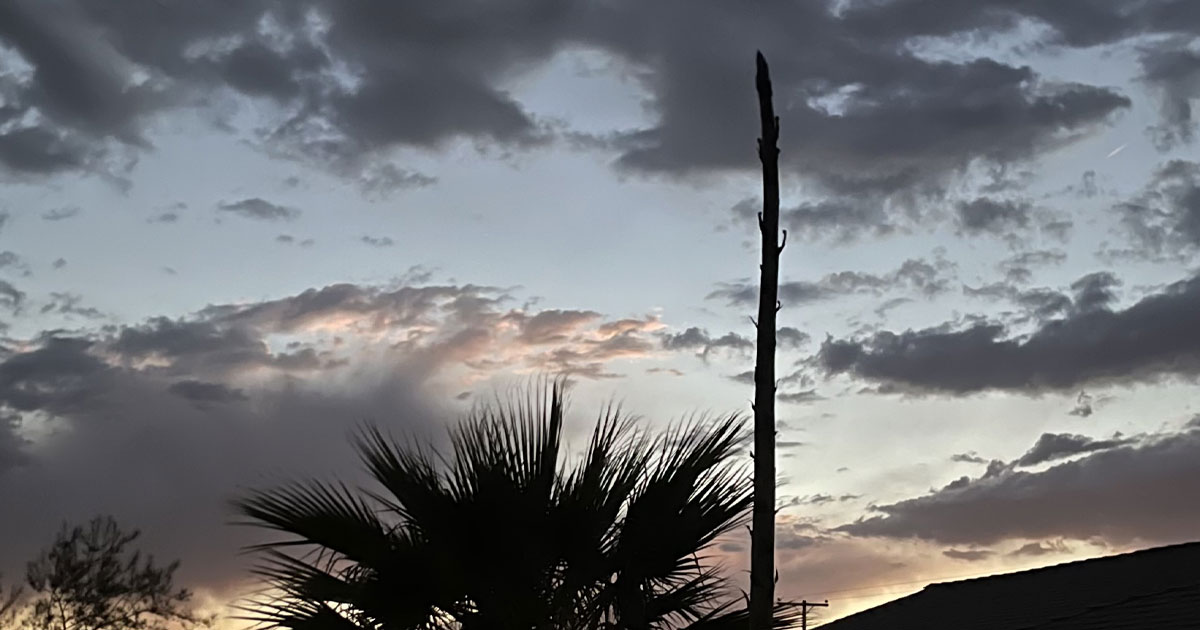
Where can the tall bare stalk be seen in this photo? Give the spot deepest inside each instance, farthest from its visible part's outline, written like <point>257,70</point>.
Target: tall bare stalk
<point>762,539</point>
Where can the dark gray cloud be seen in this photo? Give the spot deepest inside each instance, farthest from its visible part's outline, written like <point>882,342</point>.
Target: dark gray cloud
<point>1163,221</point>
<point>201,392</point>
<point>260,209</point>
<point>819,498</point>
<point>789,338</point>
<point>65,303</point>
<point>994,216</point>
<point>1128,493</point>
<point>916,275</point>
<point>61,213</point>
<point>11,260</point>
<point>1151,339</point>
<point>867,115</point>
<point>800,397</point>
<point>11,297</point>
<point>699,340</point>
<point>971,458</point>
<point>1083,406</point>
<point>899,122</point>
<point>842,219</point>
<point>1172,70</point>
<point>1071,22</point>
<point>378,241</point>
<point>970,555</point>
<point>1018,268</point>
<point>1054,446</point>
<point>1041,548</point>
<point>192,346</point>
<point>1094,291</point>
<point>61,375</point>
<point>1040,303</point>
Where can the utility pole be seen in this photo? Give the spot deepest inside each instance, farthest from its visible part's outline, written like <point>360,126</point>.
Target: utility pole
<point>804,606</point>
<point>762,534</point>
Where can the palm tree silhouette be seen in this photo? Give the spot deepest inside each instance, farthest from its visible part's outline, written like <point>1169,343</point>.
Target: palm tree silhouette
<point>507,533</point>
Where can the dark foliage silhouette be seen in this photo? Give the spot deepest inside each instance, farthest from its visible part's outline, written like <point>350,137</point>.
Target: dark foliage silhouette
<point>507,531</point>
<point>91,579</point>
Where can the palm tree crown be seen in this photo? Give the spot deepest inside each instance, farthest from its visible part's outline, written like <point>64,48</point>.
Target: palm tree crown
<point>506,533</point>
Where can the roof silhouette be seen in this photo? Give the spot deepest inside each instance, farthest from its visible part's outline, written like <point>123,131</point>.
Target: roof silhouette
<point>1153,588</point>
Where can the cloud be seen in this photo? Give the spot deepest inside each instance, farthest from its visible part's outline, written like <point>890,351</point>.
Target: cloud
<point>11,259</point>
<point>998,217</point>
<point>126,418</point>
<point>970,555</point>
<point>378,241</point>
<point>864,107</point>
<point>553,325</point>
<point>970,458</point>
<point>59,214</point>
<point>1093,291</point>
<point>1150,340</point>
<point>11,297</point>
<point>1163,221</point>
<point>1083,406</point>
<point>698,339</point>
<point>126,441</point>
<point>1041,548</point>
<point>259,209</point>
<point>58,376</point>
<point>661,370</point>
<point>1040,303</point>
<point>1053,446</point>
<point>1128,493</point>
<point>1172,70</point>
<point>875,119</point>
<point>819,498</point>
<point>789,338</point>
<point>1018,268</point>
<point>444,323</point>
<point>201,392</point>
<point>65,303</point>
<point>915,274</point>
<point>799,397</point>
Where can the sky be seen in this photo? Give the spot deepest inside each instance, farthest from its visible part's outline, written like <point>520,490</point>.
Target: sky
<point>231,231</point>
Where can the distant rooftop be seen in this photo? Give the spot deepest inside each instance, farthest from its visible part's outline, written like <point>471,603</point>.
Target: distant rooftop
<point>1155,589</point>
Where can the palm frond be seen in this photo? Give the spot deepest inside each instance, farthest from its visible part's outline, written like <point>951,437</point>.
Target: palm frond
<point>693,495</point>
<point>325,515</point>
<point>786,615</point>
